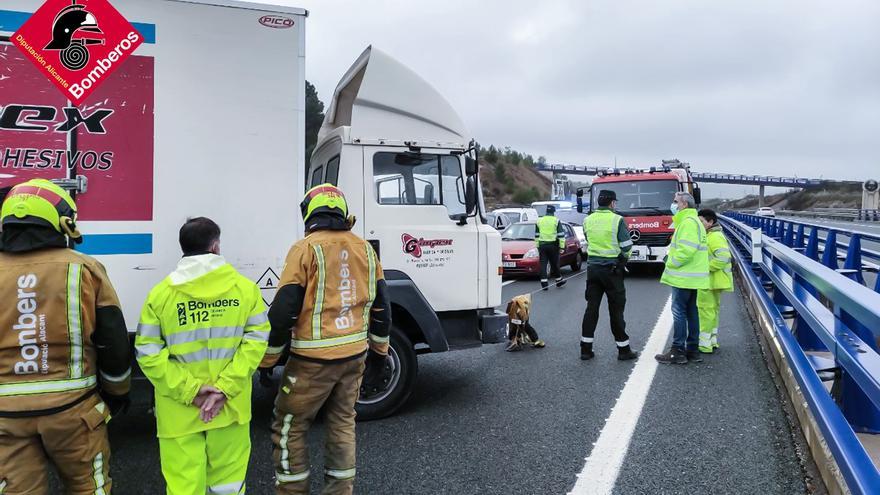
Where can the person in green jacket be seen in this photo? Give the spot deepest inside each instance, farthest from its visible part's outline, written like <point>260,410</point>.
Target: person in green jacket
<point>550,241</point>
<point>720,280</point>
<point>202,332</point>
<point>686,271</point>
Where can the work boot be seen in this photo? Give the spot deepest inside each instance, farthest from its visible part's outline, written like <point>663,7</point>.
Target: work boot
<point>538,344</point>
<point>560,282</point>
<point>544,285</point>
<point>586,351</point>
<point>626,354</point>
<point>694,356</point>
<point>673,356</point>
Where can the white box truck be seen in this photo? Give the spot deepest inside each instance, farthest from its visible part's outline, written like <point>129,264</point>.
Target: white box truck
<point>207,117</point>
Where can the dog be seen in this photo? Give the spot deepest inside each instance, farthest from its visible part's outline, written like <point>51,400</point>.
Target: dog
<point>519,331</point>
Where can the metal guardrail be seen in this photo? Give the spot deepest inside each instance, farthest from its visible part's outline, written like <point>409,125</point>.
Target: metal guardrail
<point>828,312</point>
<point>813,240</point>
<point>846,214</point>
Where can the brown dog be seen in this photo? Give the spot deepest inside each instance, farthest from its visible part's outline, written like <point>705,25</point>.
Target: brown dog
<point>519,331</point>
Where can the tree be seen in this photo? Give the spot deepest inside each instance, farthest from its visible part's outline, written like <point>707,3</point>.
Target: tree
<point>314,119</point>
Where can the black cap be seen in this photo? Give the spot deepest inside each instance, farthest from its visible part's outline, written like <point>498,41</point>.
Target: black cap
<point>606,196</point>
<point>551,209</point>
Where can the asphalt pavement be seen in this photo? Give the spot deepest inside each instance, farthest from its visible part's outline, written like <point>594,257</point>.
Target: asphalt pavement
<point>484,421</point>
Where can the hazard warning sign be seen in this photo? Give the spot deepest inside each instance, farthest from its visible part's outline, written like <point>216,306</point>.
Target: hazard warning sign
<point>268,283</point>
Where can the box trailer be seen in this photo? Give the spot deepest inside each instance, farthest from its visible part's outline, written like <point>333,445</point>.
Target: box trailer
<point>207,118</point>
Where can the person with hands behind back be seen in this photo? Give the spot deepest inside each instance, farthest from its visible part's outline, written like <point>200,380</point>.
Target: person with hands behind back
<point>203,331</point>
<point>333,298</point>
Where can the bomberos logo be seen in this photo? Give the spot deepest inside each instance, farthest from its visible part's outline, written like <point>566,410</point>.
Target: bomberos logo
<point>77,45</point>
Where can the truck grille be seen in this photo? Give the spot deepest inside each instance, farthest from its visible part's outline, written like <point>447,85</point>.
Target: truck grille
<point>654,239</point>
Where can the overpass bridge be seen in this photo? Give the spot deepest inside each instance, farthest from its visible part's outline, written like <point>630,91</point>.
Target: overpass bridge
<point>761,181</point>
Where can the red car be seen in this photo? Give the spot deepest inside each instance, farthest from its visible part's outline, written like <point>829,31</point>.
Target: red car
<point>519,253</point>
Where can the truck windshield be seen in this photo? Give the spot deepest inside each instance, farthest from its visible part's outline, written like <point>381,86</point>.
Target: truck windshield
<point>640,197</point>
<point>519,232</point>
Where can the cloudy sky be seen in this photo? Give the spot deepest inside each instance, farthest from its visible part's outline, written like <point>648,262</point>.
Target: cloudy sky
<point>751,86</point>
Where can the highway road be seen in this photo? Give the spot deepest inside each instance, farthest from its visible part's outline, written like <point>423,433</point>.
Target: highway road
<point>484,421</point>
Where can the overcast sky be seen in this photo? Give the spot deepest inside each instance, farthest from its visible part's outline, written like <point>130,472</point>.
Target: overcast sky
<point>751,86</point>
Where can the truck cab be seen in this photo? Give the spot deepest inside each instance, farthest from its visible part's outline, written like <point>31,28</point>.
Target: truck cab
<point>408,168</point>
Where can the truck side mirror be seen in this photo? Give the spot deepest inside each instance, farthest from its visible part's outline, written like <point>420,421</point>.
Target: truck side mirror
<point>580,200</point>
<point>698,197</point>
<point>470,195</point>
<point>470,166</point>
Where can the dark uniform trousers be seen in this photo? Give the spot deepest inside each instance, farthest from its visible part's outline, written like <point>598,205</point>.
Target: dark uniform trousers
<point>549,253</point>
<point>603,279</point>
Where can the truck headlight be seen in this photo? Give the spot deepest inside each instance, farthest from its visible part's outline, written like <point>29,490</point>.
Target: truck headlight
<point>532,253</point>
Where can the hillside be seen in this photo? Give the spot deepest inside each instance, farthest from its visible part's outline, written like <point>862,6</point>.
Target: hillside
<point>831,196</point>
<point>509,177</point>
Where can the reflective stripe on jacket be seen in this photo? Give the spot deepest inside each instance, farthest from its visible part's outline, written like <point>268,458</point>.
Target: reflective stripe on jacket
<point>687,265</point>
<point>603,231</point>
<point>339,272</point>
<point>205,324</point>
<point>55,327</point>
<point>720,266</point>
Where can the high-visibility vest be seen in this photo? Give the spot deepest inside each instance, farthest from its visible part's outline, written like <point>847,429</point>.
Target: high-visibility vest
<point>339,272</point>
<point>601,229</point>
<point>192,326</point>
<point>548,230</point>
<point>687,264</point>
<point>720,266</point>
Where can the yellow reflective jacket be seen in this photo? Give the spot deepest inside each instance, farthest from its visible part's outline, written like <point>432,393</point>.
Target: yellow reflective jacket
<point>720,269</point>
<point>204,324</point>
<point>687,264</point>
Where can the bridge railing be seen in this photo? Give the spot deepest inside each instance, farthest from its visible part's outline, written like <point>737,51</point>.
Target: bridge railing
<point>847,214</point>
<point>821,320</point>
<point>858,251</point>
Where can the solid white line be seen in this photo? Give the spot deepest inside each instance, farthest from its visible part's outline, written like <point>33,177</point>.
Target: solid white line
<point>603,465</point>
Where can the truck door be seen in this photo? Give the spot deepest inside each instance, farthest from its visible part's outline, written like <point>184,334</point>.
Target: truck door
<point>411,204</point>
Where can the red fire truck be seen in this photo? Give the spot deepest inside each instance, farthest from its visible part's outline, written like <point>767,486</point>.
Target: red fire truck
<point>644,198</point>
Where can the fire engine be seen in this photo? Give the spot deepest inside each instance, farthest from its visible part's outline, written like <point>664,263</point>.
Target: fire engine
<point>644,197</point>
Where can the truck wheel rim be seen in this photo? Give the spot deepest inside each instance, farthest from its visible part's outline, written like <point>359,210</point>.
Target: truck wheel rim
<point>392,384</point>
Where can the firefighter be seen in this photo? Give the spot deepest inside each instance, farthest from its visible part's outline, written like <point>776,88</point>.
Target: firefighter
<point>608,249</point>
<point>686,271</point>
<point>550,238</point>
<point>333,297</point>
<point>202,333</point>
<point>64,348</point>
<point>720,280</point>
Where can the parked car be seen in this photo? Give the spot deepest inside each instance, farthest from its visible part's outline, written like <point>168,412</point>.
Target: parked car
<point>499,221</point>
<point>516,215</point>
<point>576,220</point>
<point>765,211</point>
<point>519,254</point>
<point>541,206</point>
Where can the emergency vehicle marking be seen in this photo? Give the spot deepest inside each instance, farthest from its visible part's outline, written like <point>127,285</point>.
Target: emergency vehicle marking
<point>27,326</point>
<point>347,293</point>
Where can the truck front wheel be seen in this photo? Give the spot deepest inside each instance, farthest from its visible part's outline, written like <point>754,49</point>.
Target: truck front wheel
<point>404,368</point>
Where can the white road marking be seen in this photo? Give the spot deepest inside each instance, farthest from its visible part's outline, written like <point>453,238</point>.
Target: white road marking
<point>603,465</point>
<point>508,282</point>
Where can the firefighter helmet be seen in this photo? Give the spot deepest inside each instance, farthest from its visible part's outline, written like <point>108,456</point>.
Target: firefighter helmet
<point>325,198</point>
<point>69,20</point>
<point>40,202</point>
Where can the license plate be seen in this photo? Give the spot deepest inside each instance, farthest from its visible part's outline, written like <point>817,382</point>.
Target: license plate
<point>638,255</point>
<point>509,264</point>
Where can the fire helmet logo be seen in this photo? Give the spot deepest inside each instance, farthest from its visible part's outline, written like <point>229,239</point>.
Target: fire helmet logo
<point>73,30</point>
